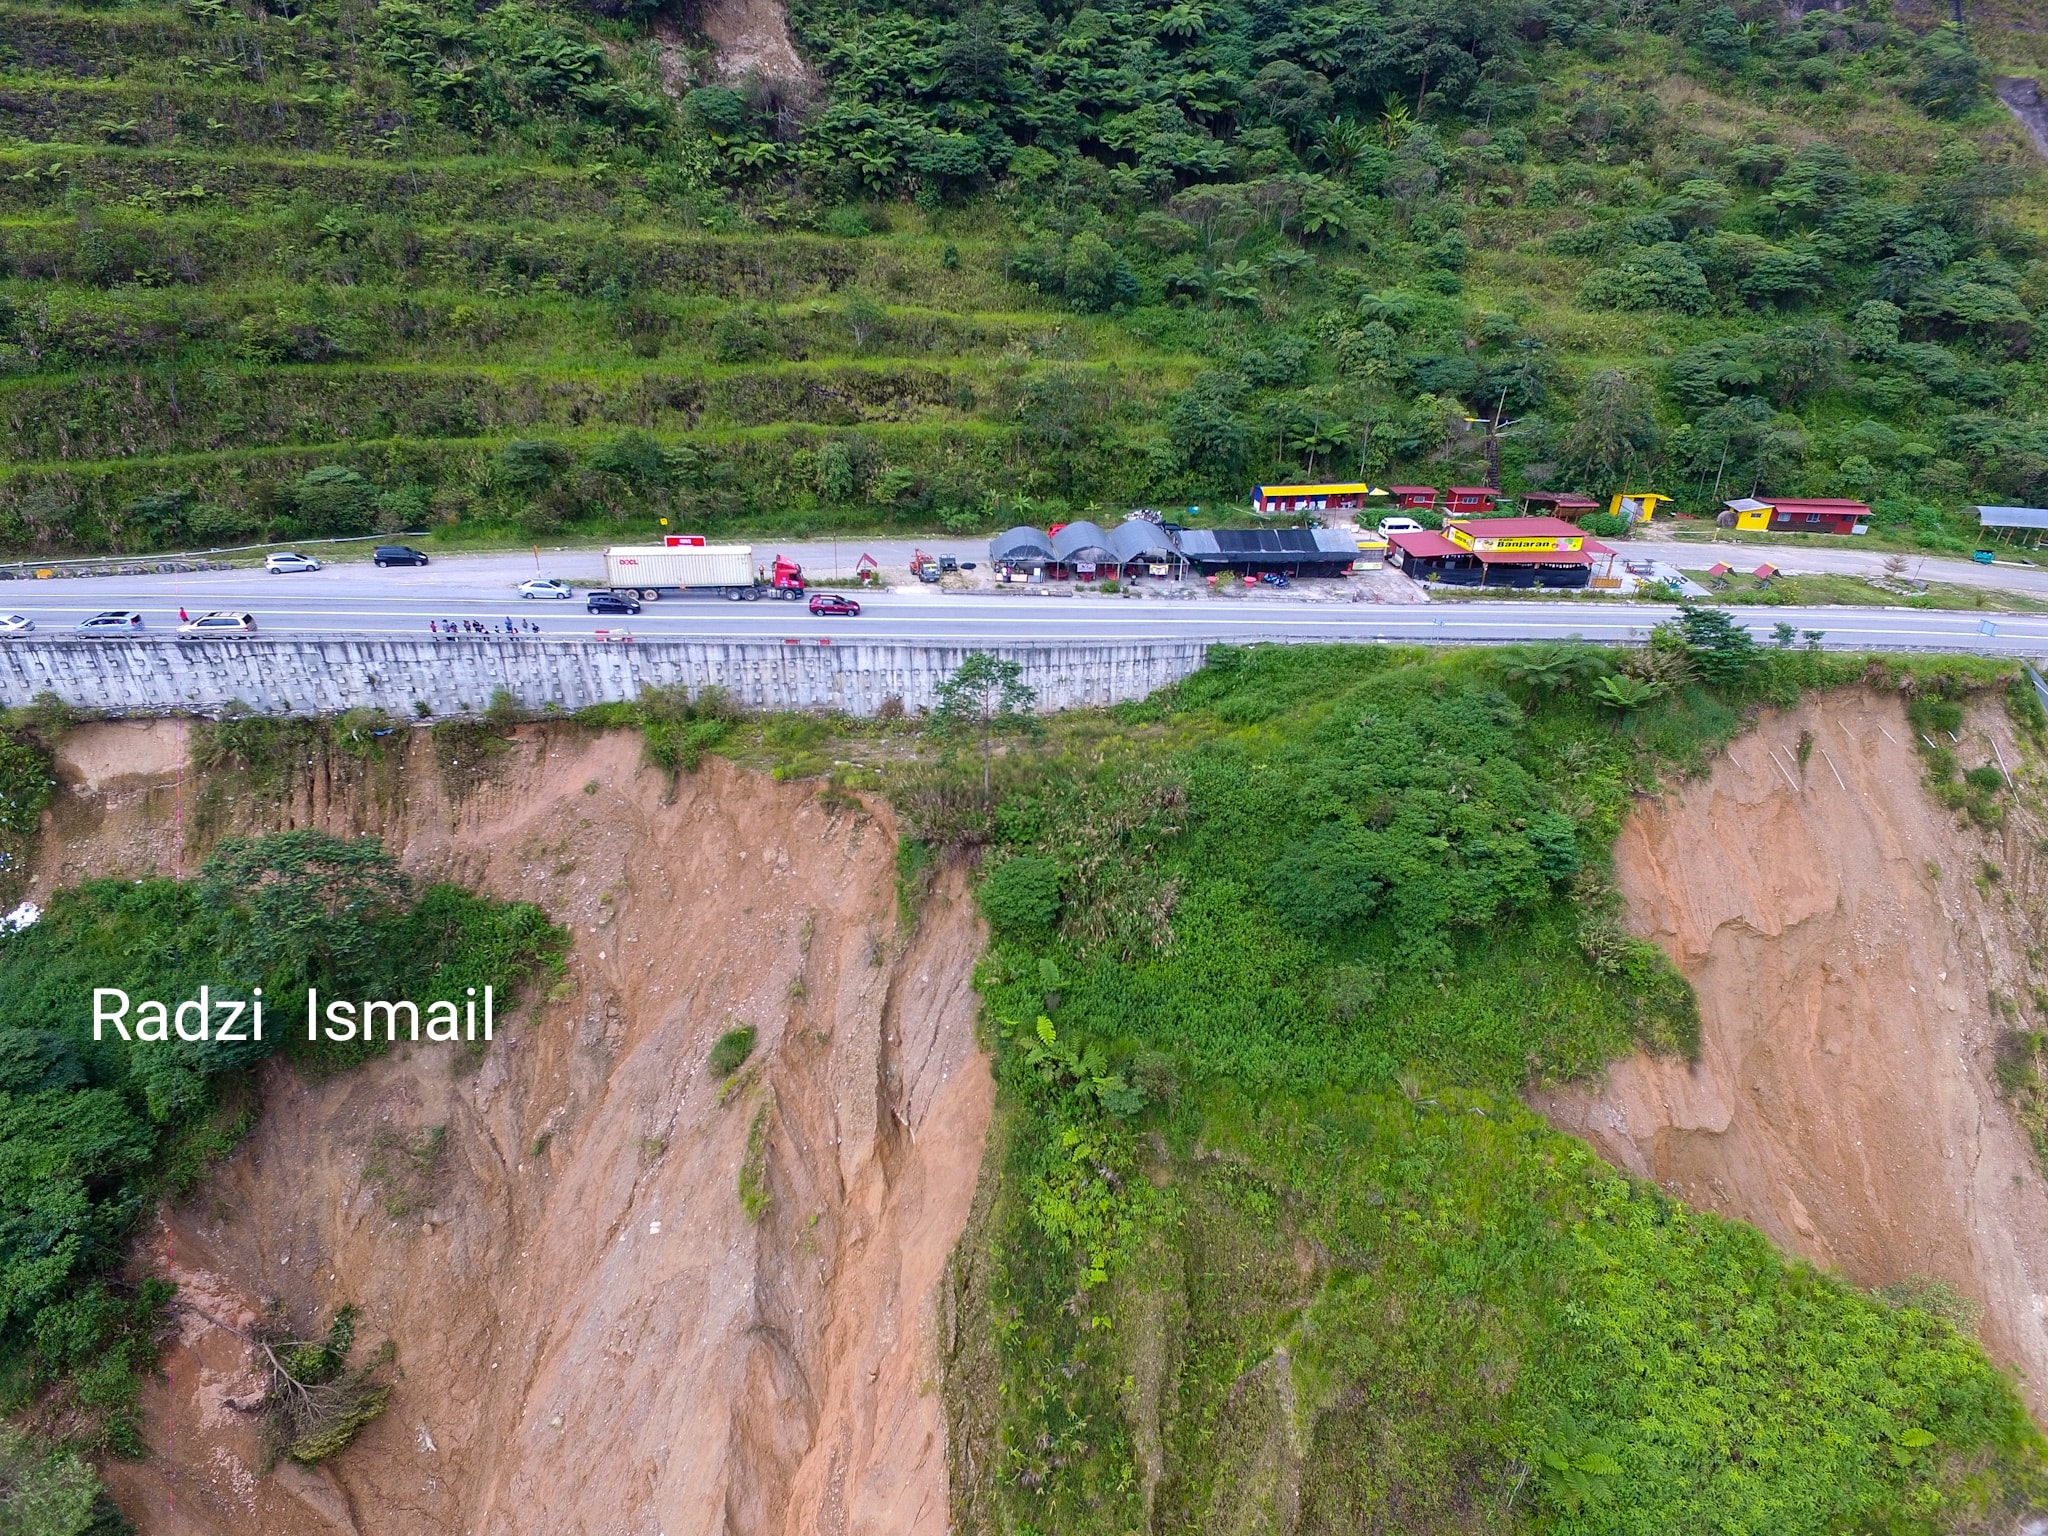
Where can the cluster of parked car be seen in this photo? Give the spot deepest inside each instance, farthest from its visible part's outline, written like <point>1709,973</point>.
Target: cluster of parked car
<point>284,562</point>
<point>123,621</point>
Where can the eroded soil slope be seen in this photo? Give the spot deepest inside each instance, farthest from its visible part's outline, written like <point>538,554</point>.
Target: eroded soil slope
<point>591,1335</point>
<point>1846,939</point>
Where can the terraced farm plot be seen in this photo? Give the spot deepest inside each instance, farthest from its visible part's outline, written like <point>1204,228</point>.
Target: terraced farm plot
<point>239,248</point>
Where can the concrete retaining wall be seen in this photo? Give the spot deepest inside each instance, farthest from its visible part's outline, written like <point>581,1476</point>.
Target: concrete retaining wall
<point>285,676</point>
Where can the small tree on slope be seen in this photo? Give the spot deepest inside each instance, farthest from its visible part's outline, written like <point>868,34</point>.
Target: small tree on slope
<point>988,692</point>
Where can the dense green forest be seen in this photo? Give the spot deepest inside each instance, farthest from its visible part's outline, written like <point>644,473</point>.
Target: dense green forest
<point>1265,1226</point>
<point>93,1132</point>
<point>531,269</point>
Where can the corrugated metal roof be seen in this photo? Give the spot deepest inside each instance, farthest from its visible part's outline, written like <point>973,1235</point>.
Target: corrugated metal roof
<point>1425,545</point>
<point>1827,506</point>
<point>1138,540</point>
<point>1020,544</point>
<point>1238,543</point>
<point>2012,517</point>
<point>1330,488</point>
<point>1079,539</point>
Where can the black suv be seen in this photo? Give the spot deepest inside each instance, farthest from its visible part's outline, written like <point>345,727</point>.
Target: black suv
<point>397,554</point>
<point>603,601</point>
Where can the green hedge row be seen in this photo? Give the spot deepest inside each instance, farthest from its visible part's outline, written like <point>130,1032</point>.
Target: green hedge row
<point>140,113</point>
<point>115,415</point>
<point>424,191</point>
<point>108,248</point>
<point>58,330</point>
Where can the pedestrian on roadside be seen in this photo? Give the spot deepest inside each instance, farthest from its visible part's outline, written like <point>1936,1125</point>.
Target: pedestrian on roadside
<point>434,628</point>
<point>183,616</point>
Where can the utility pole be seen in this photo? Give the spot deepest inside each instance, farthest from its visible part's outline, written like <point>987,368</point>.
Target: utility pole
<point>1493,443</point>
<point>1494,427</point>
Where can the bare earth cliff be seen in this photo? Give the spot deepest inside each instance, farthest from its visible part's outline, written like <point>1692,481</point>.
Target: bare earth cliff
<point>1845,940</point>
<point>592,1336</point>
<point>590,1333</point>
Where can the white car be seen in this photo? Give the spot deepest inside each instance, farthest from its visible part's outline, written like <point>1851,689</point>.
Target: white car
<point>544,586</point>
<point>114,620</point>
<point>15,624</point>
<point>220,622</point>
<point>285,562</point>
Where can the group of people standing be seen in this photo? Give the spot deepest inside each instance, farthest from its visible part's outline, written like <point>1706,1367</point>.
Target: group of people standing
<point>452,628</point>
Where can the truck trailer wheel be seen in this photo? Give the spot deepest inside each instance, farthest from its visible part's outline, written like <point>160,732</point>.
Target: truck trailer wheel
<point>732,594</point>
<point>649,595</point>
<point>753,594</point>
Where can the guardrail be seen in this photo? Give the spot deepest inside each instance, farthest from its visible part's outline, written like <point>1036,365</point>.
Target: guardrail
<point>173,561</point>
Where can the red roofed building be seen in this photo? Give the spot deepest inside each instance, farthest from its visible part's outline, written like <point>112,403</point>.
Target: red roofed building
<point>1817,514</point>
<point>1569,505</point>
<point>1431,557</point>
<point>1408,497</point>
<point>1496,552</point>
<point>1800,514</point>
<point>1466,500</point>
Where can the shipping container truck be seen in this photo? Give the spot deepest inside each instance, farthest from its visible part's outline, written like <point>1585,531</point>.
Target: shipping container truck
<point>682,565</point>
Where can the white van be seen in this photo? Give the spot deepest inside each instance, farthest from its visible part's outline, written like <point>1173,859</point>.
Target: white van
<point>1400,525</point>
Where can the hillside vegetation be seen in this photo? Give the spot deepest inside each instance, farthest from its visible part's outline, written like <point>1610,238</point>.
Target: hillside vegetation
<point>1268,1240</point>
<point>346,267</point>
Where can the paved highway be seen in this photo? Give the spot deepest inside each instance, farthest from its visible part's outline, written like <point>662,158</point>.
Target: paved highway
<point>361,600</point>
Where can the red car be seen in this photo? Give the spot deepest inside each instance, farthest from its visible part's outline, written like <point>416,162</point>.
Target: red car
<point>833,602</point>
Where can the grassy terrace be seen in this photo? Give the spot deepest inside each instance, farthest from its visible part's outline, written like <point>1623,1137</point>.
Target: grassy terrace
<point>234,250</point>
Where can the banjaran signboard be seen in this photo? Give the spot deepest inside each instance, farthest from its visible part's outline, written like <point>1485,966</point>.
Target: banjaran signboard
<point>1511,546</point>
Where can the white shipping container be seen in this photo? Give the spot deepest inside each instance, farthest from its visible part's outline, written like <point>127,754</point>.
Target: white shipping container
<point>650,566</point>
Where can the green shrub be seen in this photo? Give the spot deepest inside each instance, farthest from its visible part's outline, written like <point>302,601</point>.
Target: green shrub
<point>752,1179</point>
<point>730,1051</point>
<point>26,784</point>
<point>43,1492</point>
<point>334,499</point>
<point>1020,894</point>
